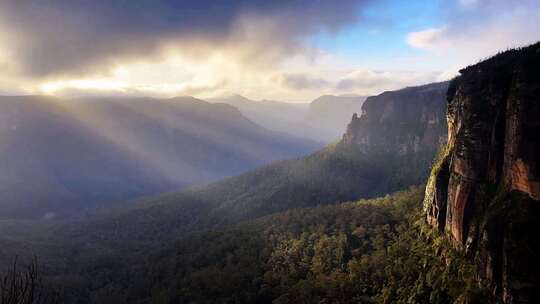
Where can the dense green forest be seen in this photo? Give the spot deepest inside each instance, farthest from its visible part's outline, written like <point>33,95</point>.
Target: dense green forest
<point>97,259</point>
<point>336,174</point>
<point>284,233</point>
<point>369,251</point>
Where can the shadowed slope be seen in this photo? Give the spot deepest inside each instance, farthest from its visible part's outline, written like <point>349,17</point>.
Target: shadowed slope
<point>66,157</point>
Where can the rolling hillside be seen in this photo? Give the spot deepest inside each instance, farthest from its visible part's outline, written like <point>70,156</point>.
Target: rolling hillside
<point>68,157</point>
<point>110,244</point>
<point>342,172</point>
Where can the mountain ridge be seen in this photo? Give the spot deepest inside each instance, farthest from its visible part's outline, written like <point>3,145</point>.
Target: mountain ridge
<point>323,119</point>
<point>338,173</point>
<point>109,150</point>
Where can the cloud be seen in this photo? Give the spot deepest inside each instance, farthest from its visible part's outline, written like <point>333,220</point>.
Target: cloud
<point>427,39</point>
<point>358,81</point>
<point>258,48</point>
<point>174,76</point>
<point>302,85</point>
<point>468,3</point>
<point>81,37</point>
<point>303,81</point>
<point>474,30</point>
<point>377,81</point>
<point>75,89</point>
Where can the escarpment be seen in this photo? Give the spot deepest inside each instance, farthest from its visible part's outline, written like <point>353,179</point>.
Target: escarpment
<point>410,120</point>
<point>400,131</point>
<point>484,190</point>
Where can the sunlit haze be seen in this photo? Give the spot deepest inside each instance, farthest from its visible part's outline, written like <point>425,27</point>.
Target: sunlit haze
<point>292,51</point>
<point>269,151</point>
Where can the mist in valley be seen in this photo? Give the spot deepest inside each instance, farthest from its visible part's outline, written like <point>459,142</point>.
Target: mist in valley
<point>347,151</point>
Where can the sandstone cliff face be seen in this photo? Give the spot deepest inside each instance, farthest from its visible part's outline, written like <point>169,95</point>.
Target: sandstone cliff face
<point>484,189</point>
<point>410,120</point>
<point>399,133</point>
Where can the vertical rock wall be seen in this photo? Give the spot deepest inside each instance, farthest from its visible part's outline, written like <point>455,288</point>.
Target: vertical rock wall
<point>484,189</point>
<point>409,121</point>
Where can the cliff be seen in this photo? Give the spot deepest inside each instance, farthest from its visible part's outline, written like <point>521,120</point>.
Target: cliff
<point>410,120</point>
<point>484,189</point>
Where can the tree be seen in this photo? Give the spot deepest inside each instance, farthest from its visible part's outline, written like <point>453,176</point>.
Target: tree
<point>25,286</point>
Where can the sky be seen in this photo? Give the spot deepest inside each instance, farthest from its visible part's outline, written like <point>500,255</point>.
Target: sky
<point>288,50</point>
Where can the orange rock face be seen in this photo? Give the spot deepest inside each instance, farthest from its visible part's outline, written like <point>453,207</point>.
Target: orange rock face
<point>522,180</point>
<point>486,194</point>
<point>458,198</point>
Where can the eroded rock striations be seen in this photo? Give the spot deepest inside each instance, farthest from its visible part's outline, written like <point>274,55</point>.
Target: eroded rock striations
<point>399,132</point>
<point>410,120</point>
<point>484,190</point>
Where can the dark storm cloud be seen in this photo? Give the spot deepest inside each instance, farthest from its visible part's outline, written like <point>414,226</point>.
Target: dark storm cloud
<point>80,36</point>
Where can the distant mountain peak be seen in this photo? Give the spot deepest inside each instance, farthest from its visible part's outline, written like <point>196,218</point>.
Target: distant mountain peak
<point>78,154</point>
<point>230,96</point>
<point>353,95</point>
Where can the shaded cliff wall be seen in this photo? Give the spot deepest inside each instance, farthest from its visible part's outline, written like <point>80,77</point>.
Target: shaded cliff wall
<point>410,120</point>
<point>484,189</point>
<point>399,133</point>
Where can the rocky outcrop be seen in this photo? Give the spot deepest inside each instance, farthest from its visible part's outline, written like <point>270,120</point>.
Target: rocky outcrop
<point>400,131</point>
<point>410,120</point>
<point>484,190</point>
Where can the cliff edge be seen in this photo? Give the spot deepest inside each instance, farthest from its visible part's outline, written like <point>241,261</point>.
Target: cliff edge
<point>484,189</point>
<point>409,120</point>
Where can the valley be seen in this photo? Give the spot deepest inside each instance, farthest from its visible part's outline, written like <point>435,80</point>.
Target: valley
<point>269,152</point>
<point>69,158</point>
